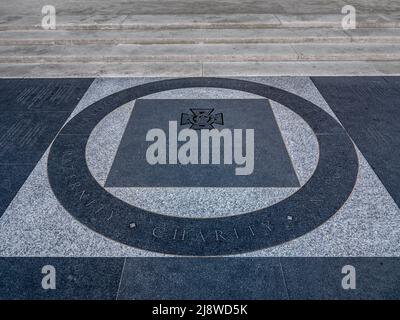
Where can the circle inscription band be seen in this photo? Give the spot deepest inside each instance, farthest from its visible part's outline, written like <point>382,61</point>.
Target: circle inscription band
<point>320,198</point>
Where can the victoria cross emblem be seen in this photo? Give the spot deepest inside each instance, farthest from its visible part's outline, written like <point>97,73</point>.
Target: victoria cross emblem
<point>202,119</point>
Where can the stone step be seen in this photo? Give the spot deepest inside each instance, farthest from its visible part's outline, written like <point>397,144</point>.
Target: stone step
<point>195,21</point>
<point>199,53</point>
<point>196,36</point>
<point>198,69</point>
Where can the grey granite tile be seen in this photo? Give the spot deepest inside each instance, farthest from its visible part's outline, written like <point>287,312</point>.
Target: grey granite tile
<point>321,278</point>
<point>202,279</point>
<point>75,278</point>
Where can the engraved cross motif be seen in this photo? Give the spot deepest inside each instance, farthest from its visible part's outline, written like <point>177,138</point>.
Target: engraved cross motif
<point>202,119</point>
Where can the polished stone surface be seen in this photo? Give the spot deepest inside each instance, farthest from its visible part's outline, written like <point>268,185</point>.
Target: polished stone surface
<point>271,165</point>
<point>32,112</point>
<point>212,278</point>
<point>258,278</point>
<point>321,278</point>
<point>369,109</point>
<point>199,278</point>
<point>75,278</point>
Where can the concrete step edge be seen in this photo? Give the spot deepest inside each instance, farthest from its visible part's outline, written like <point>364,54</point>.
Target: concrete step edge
<point>199,53</point>
<point>198,58</point>
<point>174,22</point>
<point>389,24</point>
<point>188,69</point>
<point>333,40</point>
<point>193,36</point>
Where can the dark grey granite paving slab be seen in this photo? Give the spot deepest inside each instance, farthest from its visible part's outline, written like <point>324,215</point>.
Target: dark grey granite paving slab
<point>31,113</point>
<point>26,135</point>
<point>393,80</point>
<point>202,279</point>
<point>76,278</point>
<point>272,165</point>
<point>321,278</point>
<point>42,94</point>
<point>369,109</point>
<point>12,177</point>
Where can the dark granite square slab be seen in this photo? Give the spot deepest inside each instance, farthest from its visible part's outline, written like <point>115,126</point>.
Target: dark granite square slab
<point>25,136</point>
<point>272,165</point>
<point>321,278</point>
<point>202,279</point>
<point>76,278</point>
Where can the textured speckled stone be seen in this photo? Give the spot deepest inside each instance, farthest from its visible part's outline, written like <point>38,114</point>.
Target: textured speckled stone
<point>208,202</point>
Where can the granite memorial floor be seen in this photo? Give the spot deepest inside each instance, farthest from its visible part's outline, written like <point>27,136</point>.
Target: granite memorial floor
<point>77,191</point>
